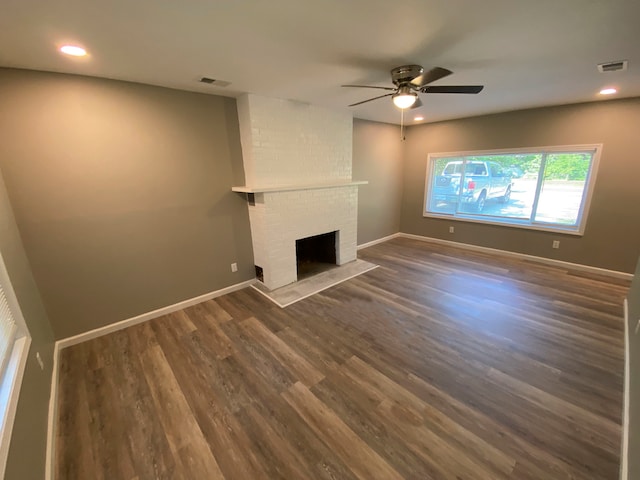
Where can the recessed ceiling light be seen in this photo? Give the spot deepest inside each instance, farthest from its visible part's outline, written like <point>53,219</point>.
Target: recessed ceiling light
<point>418,118</point>
<point>608,91</point>
<point>73,50</point>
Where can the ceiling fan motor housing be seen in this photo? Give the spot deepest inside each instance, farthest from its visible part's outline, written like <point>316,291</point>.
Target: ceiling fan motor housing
<point>404,74</point>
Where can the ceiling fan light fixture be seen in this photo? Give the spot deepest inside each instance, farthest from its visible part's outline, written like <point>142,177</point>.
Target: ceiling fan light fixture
<point>411,79</point>
<point>404,100</point>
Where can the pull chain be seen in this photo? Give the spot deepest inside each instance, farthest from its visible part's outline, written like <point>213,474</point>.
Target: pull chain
<point>402,125</point>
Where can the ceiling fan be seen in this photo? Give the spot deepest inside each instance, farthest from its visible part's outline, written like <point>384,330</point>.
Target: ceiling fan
<point>411,79</point>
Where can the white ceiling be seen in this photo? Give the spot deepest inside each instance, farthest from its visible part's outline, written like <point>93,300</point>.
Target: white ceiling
<point>527,53</point>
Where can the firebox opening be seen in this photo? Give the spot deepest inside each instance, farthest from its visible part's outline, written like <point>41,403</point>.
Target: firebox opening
<point>316,254</point>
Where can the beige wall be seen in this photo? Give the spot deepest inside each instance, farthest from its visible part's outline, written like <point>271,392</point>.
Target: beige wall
<point>377,157</point>
<point>612,236</point>
<point>122,194</point>
<point>28,443</point>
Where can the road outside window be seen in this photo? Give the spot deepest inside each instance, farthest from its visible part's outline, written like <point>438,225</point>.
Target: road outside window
<point>547,189</point>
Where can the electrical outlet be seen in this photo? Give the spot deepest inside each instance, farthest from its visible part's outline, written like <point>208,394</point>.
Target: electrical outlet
<point>39,359</point>
<point>556,244</point>
<point>234,267</point>
<point>452,229</point>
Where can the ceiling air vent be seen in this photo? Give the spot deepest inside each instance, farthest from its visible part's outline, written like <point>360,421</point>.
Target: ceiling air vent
<point>214,82</point>
<point>618,66</point>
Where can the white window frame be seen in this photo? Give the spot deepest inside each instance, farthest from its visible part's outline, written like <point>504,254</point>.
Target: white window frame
<point>512,222</point>
<point>11,380</point>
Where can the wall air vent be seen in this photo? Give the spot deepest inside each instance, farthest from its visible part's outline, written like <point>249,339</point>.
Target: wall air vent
<point>214,82</point>
<point>618,66</point>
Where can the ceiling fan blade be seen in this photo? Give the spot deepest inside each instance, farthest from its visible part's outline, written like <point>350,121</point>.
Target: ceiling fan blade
<point>453,89</point>
<point>369,86</point>
<point>431,76</point>
<point>371,99</point>
<point>418,104</point>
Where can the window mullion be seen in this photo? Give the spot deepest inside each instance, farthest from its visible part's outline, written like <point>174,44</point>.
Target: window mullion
<point>534,208</point>
<point>462,177</point>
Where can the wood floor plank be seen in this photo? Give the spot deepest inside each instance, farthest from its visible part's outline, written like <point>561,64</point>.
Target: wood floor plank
<point>361,459</point>
<point>73,425</point>
<point>279,449</point>
<point>537,460</point>
<point>182,431</point>
<point>399,401</point>
<point>322,360</point>
<point>201,381</point>
<point>442,363</point>
<point>288,424</point>
<point>356,407</point>
<point>107,420</point>
<point>600,430</point>
<point>262,360</point>
<point>288,357</point>
<point>144,434</point>
<point>208,329</point>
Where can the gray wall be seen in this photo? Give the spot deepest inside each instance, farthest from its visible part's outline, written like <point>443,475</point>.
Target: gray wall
<point>28,443</point>
<point>377,157</point>
<point>633,300</point>
<point>612,236</point>
<point>121,193</point>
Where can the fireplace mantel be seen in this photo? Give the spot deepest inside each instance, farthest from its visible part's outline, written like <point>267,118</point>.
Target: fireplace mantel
<point>290,188</point>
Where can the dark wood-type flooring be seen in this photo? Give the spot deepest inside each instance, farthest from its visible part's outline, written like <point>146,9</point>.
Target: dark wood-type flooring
<point>440,364</point>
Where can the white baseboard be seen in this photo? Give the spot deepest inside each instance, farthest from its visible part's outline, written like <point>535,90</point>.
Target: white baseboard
<point>53,414</point>
<point>524,256</point>
<point>379,240</point>
<point>624,456</point>
<point>98,332</point>
<point>114,327</point>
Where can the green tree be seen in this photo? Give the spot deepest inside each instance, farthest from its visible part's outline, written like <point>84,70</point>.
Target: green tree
<point>567,166</point>
<point>558,166</point>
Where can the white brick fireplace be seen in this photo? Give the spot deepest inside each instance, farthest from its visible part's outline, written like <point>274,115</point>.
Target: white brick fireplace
<point>297,163</point>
